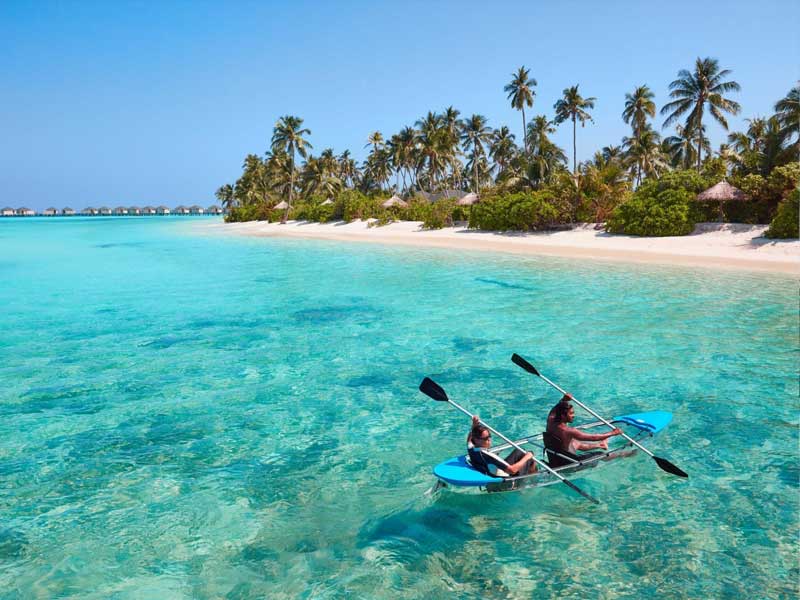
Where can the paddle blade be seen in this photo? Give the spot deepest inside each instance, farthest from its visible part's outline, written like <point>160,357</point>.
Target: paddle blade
<point>580,491</point>
<point>518,360</point>
<point>669,467</point>
<point>432,389</point>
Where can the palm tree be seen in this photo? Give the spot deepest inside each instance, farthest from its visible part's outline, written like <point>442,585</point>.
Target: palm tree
<point>760,148</point>
<point>643,153</point>
<point>374,139</point>
<point>573,107</point>
<point>347,169</point>
<point>287,136</point>
<point>225,196</point>
<point>378,168</point>
<point>788,112</point>
<point>692,92</point>
<point>680,148</point>
<point>502,149</point>
<point>474,134</point>
<point>520,92</point>
<point>434,147</point>
<point>638,106</point>
<point>318,179</point>
<point>544,157</point>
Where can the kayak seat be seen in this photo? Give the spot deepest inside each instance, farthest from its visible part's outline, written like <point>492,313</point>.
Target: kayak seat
<point>556,457</point>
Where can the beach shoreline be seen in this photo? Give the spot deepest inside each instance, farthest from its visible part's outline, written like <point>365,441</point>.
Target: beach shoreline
<point>728,246</point>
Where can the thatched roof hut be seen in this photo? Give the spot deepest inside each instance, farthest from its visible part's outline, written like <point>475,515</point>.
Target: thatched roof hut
<point>67,211</point>
<point>394,201</point>
<point>51,211</point>
<point>196,209</point>
<point>25,212</point>
<point>163,210</point>
<point>181,210</point>
<point>148,210</point>
<point>104,210</point>
<point>722,192</point>
<point>214,210</point>
<point>469,199</point>
<point>6,211</point>
<point>282,205</point>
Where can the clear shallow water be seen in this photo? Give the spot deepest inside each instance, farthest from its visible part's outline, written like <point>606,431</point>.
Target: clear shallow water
<point>190,416</point>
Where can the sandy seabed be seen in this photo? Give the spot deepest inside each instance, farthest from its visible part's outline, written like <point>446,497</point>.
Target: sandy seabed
<point>723,245</point>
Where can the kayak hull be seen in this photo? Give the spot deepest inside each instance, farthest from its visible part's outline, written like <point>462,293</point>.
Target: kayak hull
<point>459,473</point>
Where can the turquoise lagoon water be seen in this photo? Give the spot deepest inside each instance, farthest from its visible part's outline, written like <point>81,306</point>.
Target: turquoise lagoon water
<point>187,415</point>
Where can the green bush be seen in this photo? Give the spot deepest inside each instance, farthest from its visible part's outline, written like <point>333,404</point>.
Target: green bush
<point>669,212</point>
<point>249,212</point>
<point>439,215</point>
<point>356,205</point>
<point>523,211</point>
<point>785,223</point>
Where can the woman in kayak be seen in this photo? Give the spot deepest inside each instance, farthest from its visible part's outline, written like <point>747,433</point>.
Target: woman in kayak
<point>478,442</point>
<point>571,439</point>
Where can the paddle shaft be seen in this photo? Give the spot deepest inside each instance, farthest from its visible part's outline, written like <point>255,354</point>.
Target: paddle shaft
<point>598,417</point>
<point>537,461</point>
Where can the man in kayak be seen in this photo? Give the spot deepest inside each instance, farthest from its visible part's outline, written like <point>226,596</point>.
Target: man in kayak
<point>478,442</point>
<point>569,439</point>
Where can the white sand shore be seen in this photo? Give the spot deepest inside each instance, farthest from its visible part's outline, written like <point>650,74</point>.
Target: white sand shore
<point>729,246</point>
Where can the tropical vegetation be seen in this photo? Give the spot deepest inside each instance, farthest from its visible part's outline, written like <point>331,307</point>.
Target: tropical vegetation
<point>645,184</point>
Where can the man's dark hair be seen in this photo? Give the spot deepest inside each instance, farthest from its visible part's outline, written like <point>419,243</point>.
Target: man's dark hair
<point>560,411</point>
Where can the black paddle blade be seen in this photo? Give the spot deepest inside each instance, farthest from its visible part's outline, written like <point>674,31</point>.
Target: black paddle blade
<point>580,491</point>
<point>518,360</point>
<point>669,467</point>
<point>432,389</point>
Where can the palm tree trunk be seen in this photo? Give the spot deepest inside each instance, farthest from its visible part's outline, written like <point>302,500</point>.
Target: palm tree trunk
<point>574,150</point>
<point>291,189</point>
<point>524,131</point>
<point>699,141</point>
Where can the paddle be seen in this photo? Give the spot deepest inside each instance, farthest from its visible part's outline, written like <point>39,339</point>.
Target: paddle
<point>433,390</point>
<point>663,463</point>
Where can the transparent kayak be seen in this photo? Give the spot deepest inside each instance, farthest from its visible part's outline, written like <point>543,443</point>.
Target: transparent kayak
<point>458,473</point>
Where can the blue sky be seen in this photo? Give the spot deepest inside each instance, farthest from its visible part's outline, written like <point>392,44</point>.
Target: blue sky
<point>158,102</point>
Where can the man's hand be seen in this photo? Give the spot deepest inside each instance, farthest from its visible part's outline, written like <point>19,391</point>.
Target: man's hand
<point>476,420</point>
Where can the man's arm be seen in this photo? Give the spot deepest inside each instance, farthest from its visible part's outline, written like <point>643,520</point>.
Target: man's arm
<point>578,434</point>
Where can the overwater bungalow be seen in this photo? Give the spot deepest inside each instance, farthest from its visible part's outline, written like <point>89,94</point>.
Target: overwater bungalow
<point>181,210</point>
<point>120,211</point>
<point>25,212</point>
<point>90,211</point>
<point>162,210</point>
<point>194,209</point>
<point>68,212</point>
<point>7,211</point>
<point>148,210</point>
<point>50,212</point>
<point>214,210</point>
<point>134,210</point>
<point>104,210</point>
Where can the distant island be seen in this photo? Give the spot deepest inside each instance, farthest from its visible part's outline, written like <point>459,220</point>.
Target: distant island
<point>119,211</point>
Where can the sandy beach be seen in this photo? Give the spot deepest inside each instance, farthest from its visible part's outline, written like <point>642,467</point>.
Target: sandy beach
<point>722,245</point>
